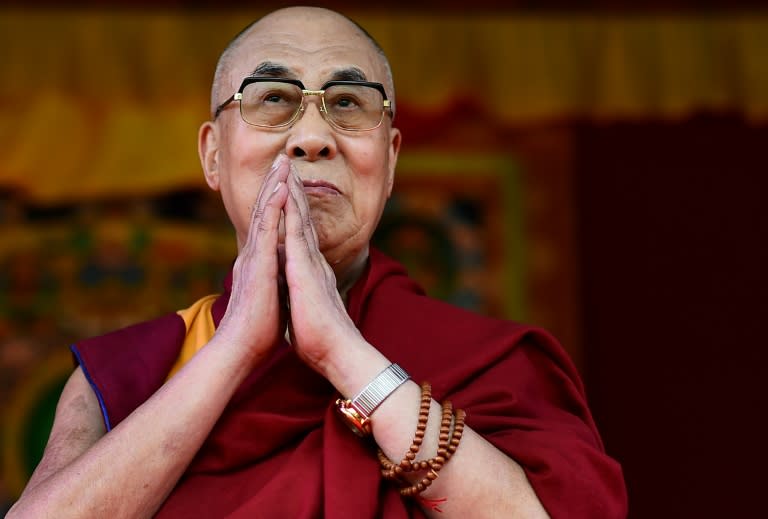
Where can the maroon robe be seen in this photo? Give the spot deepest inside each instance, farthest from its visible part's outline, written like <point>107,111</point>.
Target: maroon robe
<point>279,450</point>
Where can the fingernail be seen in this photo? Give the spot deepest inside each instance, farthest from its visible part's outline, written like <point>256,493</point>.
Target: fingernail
<point>276,187</point>
<point>276,163</point>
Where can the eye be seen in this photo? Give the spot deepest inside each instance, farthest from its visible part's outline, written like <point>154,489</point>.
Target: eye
<point>271,94</point>
<point>274,97</point>
<point>344,101</point>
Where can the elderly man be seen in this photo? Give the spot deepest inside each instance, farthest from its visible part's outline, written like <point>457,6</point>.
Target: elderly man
<point>241,405</point>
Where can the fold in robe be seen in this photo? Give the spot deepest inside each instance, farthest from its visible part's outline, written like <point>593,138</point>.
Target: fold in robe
<point>279,450</point>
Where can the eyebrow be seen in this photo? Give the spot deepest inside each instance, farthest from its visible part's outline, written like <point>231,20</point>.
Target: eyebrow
<point>272,69</point>
<point>348,74</point>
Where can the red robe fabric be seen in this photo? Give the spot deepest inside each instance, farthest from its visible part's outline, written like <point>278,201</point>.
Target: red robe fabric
<point>279,450</point>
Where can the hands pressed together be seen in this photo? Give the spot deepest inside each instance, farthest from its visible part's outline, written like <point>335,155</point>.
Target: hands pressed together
<point>278,283</point>
<point>290,284</point>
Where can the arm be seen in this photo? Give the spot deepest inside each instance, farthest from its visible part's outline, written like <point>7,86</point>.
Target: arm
<point>130,471</point>
<point>479,481</point>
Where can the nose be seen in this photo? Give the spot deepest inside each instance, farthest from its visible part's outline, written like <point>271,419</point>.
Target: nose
<point>311,137</point>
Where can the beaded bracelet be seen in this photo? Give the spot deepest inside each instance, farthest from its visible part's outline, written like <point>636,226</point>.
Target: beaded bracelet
<point>436,463</point>
<point>394,471</point>
<point>447,443</point>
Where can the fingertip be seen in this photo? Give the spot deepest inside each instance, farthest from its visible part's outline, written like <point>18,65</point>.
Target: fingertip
<point>279,170</point>
<point>279,161</point>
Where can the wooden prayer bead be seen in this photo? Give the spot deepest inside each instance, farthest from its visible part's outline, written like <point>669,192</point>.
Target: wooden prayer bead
<point>448,440</point>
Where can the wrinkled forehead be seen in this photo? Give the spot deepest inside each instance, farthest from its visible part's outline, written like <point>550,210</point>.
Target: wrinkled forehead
<point>311,51</point>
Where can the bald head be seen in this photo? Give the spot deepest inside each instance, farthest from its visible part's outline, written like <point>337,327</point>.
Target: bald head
<point>295,20</point>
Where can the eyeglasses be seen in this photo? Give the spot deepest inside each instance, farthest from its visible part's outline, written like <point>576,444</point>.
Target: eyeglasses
<point>275,102</point>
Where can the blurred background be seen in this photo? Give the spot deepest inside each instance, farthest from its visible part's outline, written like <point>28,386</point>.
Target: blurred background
<point>599,171</point>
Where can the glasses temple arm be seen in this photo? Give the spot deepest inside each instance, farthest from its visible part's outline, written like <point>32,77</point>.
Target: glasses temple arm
<point>222,106</point>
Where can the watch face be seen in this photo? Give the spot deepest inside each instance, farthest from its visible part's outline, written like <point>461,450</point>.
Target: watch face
<point>354,420</point>
<point>357,424</point>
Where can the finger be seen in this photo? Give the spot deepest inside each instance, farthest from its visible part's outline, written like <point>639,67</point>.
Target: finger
<point>294,230</point>
<point>300,203</point>
<point>265,220</point>
<point>278,172</point>
<point>268,194</point>
<point>299,227</point>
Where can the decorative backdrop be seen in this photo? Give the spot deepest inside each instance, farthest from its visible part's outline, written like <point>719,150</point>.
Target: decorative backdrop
<point>94,103</point>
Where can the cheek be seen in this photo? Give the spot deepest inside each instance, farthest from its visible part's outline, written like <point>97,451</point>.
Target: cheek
<point>370,163</point>
<point>371,181</point>
<point>251,157</point>
<point>245,162</point>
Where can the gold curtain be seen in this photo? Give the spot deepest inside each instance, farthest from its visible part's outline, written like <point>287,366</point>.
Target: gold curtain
<point>99,103</point>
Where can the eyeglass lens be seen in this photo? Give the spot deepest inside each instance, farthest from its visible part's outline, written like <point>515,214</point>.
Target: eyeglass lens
<point>268,103</point>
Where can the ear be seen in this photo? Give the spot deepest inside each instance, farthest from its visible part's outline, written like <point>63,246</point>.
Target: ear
<point>208,149</point>
<point>395,138</point>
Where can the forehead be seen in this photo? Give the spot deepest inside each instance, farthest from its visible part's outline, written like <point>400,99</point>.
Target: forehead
<point>311,49</point>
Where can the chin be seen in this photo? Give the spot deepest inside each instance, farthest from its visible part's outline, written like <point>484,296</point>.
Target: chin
<point>343,254</point>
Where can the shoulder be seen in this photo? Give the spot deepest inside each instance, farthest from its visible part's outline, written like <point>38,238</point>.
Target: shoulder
<point>401,320</point>
<point>126,366</point>
<point>167,324</point>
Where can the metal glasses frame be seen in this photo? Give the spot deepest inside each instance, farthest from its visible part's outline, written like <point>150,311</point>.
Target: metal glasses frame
<point>238,96</point>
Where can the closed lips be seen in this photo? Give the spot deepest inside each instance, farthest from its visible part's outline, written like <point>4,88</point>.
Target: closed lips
<point>320,186</point>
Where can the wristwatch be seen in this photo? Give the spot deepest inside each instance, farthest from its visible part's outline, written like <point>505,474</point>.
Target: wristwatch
<point>357,411</point>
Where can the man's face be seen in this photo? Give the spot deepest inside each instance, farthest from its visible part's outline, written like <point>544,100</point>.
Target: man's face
<point>347,175</point>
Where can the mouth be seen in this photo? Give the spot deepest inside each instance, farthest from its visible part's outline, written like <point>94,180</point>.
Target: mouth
<point>320,188</point>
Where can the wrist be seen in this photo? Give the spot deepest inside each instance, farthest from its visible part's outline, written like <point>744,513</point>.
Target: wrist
<point>247,352</point>
<point>352,364</point>
<point>357,410</point>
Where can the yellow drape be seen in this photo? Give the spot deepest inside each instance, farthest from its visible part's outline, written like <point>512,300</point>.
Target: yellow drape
<point>94,103</point>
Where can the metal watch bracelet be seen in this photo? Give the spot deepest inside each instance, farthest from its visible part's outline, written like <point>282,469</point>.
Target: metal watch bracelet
<point>356,411</point>
<point>378,389</point>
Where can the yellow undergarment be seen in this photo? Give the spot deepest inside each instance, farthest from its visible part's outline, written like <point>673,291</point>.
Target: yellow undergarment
<point>200,328</point>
